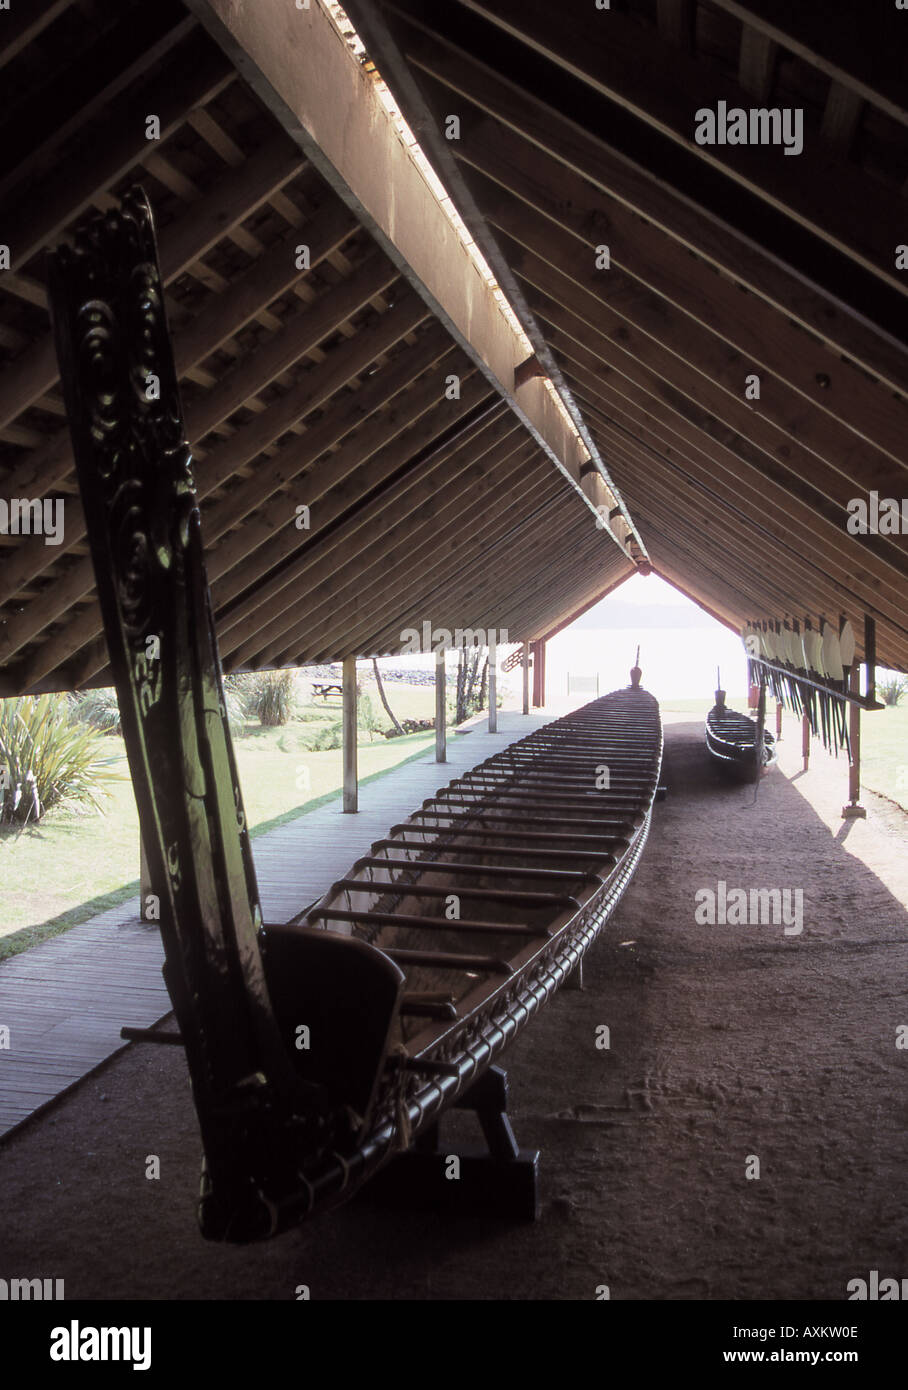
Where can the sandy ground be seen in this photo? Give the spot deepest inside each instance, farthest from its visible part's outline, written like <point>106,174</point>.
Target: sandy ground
<point>727,1042</point>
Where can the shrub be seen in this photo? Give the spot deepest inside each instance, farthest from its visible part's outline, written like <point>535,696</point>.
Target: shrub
<point>98,708</point>
<point>268,696</point>
<point>322,740</point>
<point>47,759</point>
<point>236,713</point>
<point>366,718</point>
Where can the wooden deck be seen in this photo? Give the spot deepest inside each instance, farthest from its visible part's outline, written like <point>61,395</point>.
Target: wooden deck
<point>64,1002</point>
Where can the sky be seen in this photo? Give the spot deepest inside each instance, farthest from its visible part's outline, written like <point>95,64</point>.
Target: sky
<point>680,645</point>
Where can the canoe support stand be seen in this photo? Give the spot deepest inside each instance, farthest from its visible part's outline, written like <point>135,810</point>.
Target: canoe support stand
<point>498,1179</point>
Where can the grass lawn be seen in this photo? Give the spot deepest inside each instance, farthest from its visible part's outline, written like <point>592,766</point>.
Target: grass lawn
<point>71,866</point>
<point>884,752</point>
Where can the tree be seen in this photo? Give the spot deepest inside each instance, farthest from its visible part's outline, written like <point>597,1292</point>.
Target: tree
<point>381,695</point>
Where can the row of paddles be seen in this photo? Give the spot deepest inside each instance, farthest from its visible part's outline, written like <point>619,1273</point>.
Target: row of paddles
<point>823,656</point>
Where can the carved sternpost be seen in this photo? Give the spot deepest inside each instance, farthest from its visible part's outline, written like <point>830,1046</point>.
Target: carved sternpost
<point>134,468</point>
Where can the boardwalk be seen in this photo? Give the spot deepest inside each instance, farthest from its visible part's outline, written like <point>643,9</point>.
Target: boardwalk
<point>64,1002</point>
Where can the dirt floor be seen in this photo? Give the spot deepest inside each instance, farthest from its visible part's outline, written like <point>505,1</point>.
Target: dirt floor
<point>727,1043</point>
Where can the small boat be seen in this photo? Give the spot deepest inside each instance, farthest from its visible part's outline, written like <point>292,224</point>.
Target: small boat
<point>731,739</point>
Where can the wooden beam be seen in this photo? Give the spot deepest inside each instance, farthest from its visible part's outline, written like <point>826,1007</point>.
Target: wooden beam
<point>548,257</point>
<point>281,557</point>
<point>467,526</point>
<point>197,74</point>
<point>717,396</point>
<point>663,87</point>
<point>486,555</point>
<point>522,572</point>
<point>608,384</point>
<point>723,233</point>
<point>367,431</point>
<point>236,194</point>
<point>347,362</point>
<point>703,506</point>
<point>350,719</point>
<point>564,203</point>
<point>675,19</point>
<point>525,673</point>
<point>146,888</point>
<point>860,49</point>
<point>757,64</point>
<point>81,632</point>
<point>306,74</point>
<point>385,53</point>
<point>383,534</point>
<point>783,518</point>
<point>23,23</point>
<point>283,350</point>
<point>121,50</point>
<point>270,276</point>
<point>841,117</point>
<point>493,689</point>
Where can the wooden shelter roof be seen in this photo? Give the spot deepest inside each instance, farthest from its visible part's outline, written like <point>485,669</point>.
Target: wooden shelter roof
<point>324,388</point>
<point>577,127</point>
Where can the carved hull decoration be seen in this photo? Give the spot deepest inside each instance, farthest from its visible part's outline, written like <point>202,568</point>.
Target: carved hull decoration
<point>308,1067</point>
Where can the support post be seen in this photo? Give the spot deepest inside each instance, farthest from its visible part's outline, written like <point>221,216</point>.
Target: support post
<point>805,740</point>
<point>351,785</point>
<point>441,696</point>
<point>778,720</point>
<point>854,810</point>
<point>493,689</point>
<point>525,663</point>
<point>145,888</point>
<point>869,657</point>
<point>539,673</point>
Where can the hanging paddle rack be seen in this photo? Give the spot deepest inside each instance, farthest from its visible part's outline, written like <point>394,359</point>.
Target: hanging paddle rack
<point>820,701</point>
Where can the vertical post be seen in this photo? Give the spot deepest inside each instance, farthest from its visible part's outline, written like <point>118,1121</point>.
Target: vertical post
<point>145,888</point>
<point>854,810</point>
<point>805,740</point>
<point>778,720</point>
<point>539,673</point>
<point>441,697</point>
<point>870,657</point>
<point>526,677</point>
<point>493,689</point>
<point>351,786</point>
